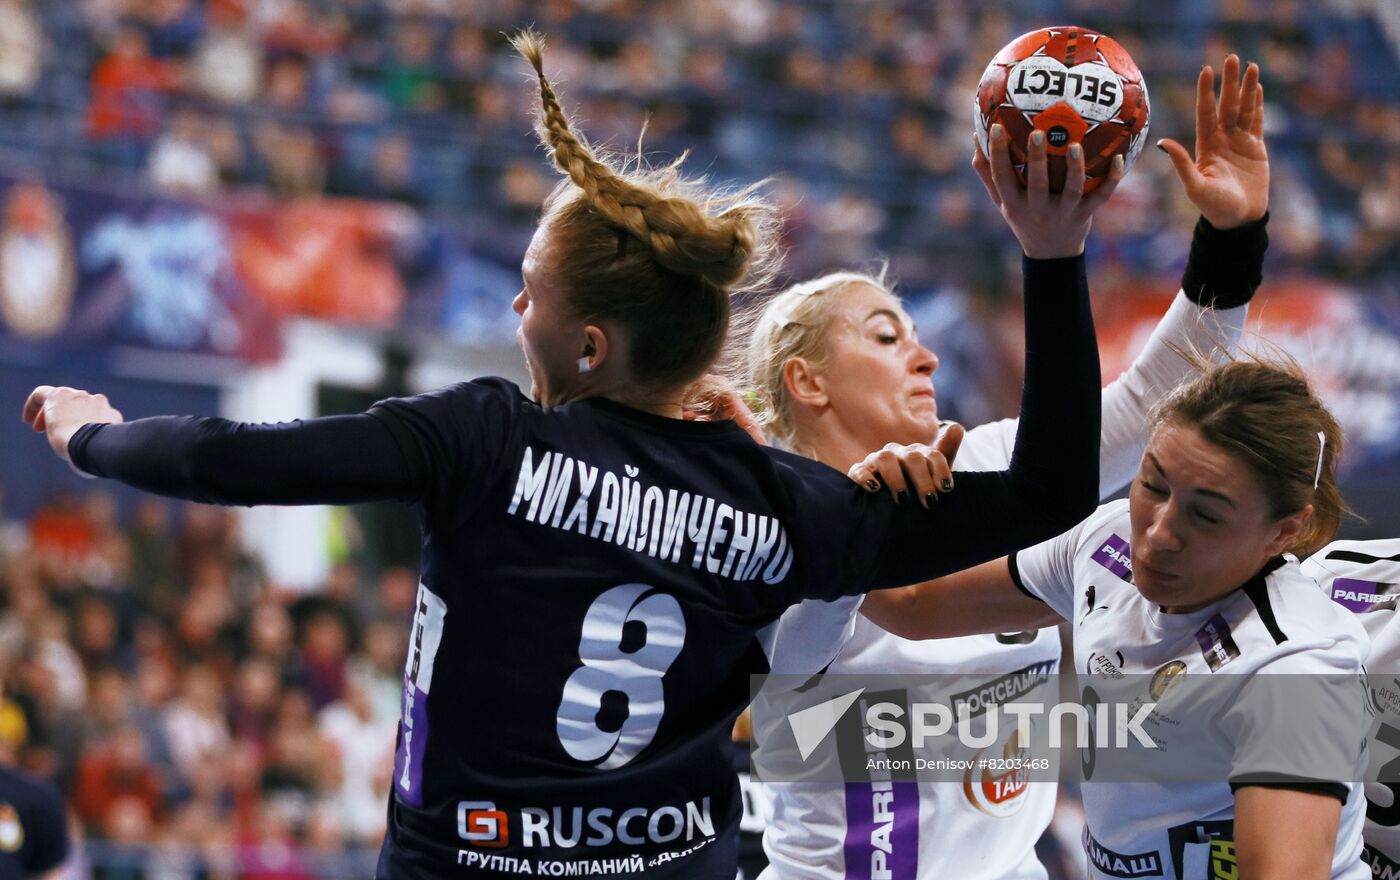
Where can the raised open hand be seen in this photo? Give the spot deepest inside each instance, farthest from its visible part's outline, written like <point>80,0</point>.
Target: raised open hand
<point>1229,178</point>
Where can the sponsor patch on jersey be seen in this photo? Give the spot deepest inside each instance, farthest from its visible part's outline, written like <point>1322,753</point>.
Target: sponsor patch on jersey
<point>1204,849</point>
<point>430,613</point>
<point>997,792</point>
<point>1360,596</point>
<point>1217,645</point>
<point>1115,555</point>
<point>1100,664</point>
<point>1007,689</point>
<point>1382,866</point>
<point>1114,864</point>
<point>1164,678</point>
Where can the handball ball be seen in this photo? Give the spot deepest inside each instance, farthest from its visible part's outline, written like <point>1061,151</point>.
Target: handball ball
<point>1074,84</point>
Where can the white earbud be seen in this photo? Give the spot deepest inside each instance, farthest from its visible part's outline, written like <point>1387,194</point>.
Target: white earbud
<point>584,366</point>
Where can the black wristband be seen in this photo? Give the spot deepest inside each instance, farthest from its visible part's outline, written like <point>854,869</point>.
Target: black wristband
<point>1225,266</point>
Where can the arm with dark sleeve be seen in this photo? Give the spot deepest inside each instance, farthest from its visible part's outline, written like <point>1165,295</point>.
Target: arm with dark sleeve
<point>403,449</point>
<point>1053,477</point>
<point>46,822</point>
<point>331,460</point>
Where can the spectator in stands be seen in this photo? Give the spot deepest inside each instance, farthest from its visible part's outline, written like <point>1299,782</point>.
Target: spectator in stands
<point>409,79</point>
<point>291,157</point>
<point>22,46</point>
<point>127,91</point>
<point>228,61</point>
<point>180,162</point>
<point>195,724</point>
<point>117,769</point>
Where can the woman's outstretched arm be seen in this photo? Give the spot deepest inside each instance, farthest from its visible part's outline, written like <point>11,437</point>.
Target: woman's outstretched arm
<point>331,460</point>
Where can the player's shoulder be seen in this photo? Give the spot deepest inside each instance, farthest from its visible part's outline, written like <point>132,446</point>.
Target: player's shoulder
<point>473,397</point>
<point>1360,576</point>
<point>486,389</point>
<point>1103,537</point>
<point>1285,624</point>
<point>27,792</point>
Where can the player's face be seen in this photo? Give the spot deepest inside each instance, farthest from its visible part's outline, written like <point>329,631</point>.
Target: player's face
<point>879,378</point>
<point>549,336</point>
<point>1201,523</point>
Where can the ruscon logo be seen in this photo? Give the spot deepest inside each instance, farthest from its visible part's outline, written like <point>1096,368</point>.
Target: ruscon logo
<point>479,823</point>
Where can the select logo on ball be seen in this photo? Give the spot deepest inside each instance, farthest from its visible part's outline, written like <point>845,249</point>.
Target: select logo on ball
<point>1074,84</point>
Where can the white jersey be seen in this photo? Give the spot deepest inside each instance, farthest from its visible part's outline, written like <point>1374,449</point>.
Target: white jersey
<point>1364,578</point>
<point>1277,623</point>
<point>940,830</point>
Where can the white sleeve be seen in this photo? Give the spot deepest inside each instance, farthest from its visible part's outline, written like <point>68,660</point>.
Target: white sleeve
<point>1046,571</point>
<point>1156,370</point>
<point>809,635</point>
<point>1304,719</point>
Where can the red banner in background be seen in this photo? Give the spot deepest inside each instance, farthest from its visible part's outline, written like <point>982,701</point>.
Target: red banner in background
<point>87,268</point>
<point>322,259</point>
<point>1347,341</point>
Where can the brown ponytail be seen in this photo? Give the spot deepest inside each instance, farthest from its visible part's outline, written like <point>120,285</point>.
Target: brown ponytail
<point>1262,411</point>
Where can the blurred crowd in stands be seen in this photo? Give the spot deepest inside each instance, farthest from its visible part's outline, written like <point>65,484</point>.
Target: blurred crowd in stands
<point>861,109</point>
<point>179,698</point>
<point>150,667</point>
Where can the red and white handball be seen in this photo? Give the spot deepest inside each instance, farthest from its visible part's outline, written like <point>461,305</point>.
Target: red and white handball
<point>1074,84</point>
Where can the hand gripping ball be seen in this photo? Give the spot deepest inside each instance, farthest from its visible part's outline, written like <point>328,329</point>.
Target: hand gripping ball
<point>1074,84</point>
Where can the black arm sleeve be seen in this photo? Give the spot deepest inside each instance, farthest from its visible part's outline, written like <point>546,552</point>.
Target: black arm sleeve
<point>1053,478</point>
<point>1225,266</point>
<point>331,460</point>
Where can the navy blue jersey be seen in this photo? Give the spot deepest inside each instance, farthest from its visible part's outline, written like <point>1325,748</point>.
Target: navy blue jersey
<point>593,578</point>
<point>593,601</point>
<point>33,826</point>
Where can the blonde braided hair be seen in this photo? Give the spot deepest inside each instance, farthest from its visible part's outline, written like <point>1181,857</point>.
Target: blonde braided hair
<point>683,233</point>
<point>695,245</point>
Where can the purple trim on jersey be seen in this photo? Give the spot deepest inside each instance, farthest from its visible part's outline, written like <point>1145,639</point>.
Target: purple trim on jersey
<point>413,742</point>
<point>1361,596</point>
<point>1114,556</point>
<point>889,848</point>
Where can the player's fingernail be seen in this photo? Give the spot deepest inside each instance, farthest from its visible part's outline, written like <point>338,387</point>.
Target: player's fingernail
<point>1161,145</point>
<point>1118,163</point>
<point>998,131</point>
<point>930,498</point>
<point>946,485</point>
<point>872,485</point>
<point>900,496</point>
<point>1037,137</point>
<point>1076,151</point>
